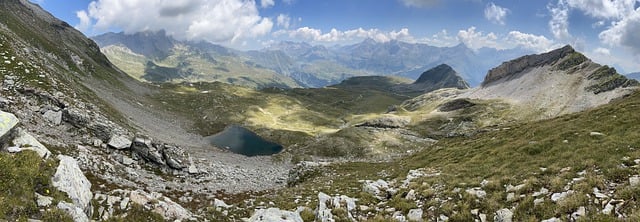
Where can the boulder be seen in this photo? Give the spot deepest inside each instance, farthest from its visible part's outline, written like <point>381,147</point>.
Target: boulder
<point>43,201</point>
<point>503,215</point>
<point>54,117</point>
<point>70,179</point>
<point>148,151</point>
<point>175,157</point>
<point>8,122</point>
<point>75,117</point>
<point>376,188</point>
<point>162,205</point>
<point>324,212</point>
<point>415,215</point>
<point>275,214</point>
<point>119,142</point>
<point>75,212</point>
<point>25,141</point>
<point>219,204</point>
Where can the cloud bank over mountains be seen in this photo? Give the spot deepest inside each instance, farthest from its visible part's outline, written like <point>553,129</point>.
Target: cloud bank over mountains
<point>236,22</point>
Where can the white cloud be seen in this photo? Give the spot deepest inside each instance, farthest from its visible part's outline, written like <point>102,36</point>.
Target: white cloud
<point>440,39</point>
<point>559,23</point>
<point>604,9</point>
<point>625,32</point>
<point>267,3</point>
<point>419,3</point>
<point>536,43</point>
<point>496,14</point>
<point>316,35</point>
<point>476,39</point>
<point>602,51</point>
<point>85,21</point>
<point>283,21</point>
<point>216,21</point>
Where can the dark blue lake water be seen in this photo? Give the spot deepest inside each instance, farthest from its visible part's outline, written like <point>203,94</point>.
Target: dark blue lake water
<point>240,140</point>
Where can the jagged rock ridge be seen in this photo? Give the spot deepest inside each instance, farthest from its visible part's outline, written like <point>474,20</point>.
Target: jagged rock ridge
<point>510,68</point>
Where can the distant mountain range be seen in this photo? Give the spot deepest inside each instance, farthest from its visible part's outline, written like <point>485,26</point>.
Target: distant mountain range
<point>635,75</point>
<point>290,64</point>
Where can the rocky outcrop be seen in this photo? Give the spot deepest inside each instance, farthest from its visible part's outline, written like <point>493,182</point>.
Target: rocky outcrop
<point>275,214</point>
<point>511,68</point>
<point>70,179</point>
<point>456,104</point>
<point>25,141</point>
<point>387,121</point>
<point>8,122</point>
<point>442,76</point>
<point>162,205</point>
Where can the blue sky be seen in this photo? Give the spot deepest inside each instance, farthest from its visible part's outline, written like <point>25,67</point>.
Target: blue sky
<point>608,31</point>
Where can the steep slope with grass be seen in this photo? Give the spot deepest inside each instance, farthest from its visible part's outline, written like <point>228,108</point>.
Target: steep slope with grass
<point>155,57</point>
<point>583,165</point>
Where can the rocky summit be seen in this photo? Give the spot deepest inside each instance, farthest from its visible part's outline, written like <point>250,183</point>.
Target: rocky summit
<point>546,137</point>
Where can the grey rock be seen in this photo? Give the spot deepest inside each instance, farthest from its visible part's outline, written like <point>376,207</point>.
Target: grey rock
<point>119,142</point>
<point>75,117</point>
<point>147,150</point>
<point>560,196</point>
<point>275,214</point>
<point>596,134</point>
<point>478,192</point>
<point>75,212</point>
<point>553,219</point>
<point>101,131</point>
<point>503,215</point>
<point>14,149</point>
<point>175,157</point>
<point>397,216</point>
<point>543,191</point>
<point>70,179</point>
<point>324,212</point>
<point>54,117</point>
<point>511,197</point>
<point>415,215</point>
<point>411,195</point>
<point>26,141</point>
<point>43,201</point>
<point>8,122</point>
<point>161,205</point>
<point>634,181</point>
<point>511,68</point>
<point>377,188</point>
<point>581,212</point>
<point>218,204</point>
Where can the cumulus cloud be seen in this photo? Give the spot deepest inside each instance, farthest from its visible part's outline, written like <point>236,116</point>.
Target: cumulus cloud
<point>625,32</point>
<point>559,23</point>
<point>495,13</point>
<point>536,43</point>
<point>283,21</point>
<point>215,21</point>
<point>334,35</point>
<point>602,51</point>
<point>419,3</point>
<point>267,3</point>
<point>440,39</point>
<point>85,21</point>
<point>604,9</point>
<point>476,39</point>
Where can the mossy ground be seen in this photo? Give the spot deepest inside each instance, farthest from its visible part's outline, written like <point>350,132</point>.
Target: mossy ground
<point>22,176</point>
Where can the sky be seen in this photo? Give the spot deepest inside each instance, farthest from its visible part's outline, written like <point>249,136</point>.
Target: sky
<point>607,31</point>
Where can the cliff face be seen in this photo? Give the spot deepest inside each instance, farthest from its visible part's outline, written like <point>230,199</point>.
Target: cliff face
<point>511,68</point>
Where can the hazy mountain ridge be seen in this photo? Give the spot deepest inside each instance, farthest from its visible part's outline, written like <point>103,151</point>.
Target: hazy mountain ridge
<point>318,66</point>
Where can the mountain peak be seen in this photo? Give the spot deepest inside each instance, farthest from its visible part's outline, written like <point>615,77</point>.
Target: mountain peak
<point>513,67</point>
<point>442,75</point>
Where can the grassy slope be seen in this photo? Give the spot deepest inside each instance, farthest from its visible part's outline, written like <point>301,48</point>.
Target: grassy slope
<point>510,155</point>
<point>201,67</point>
